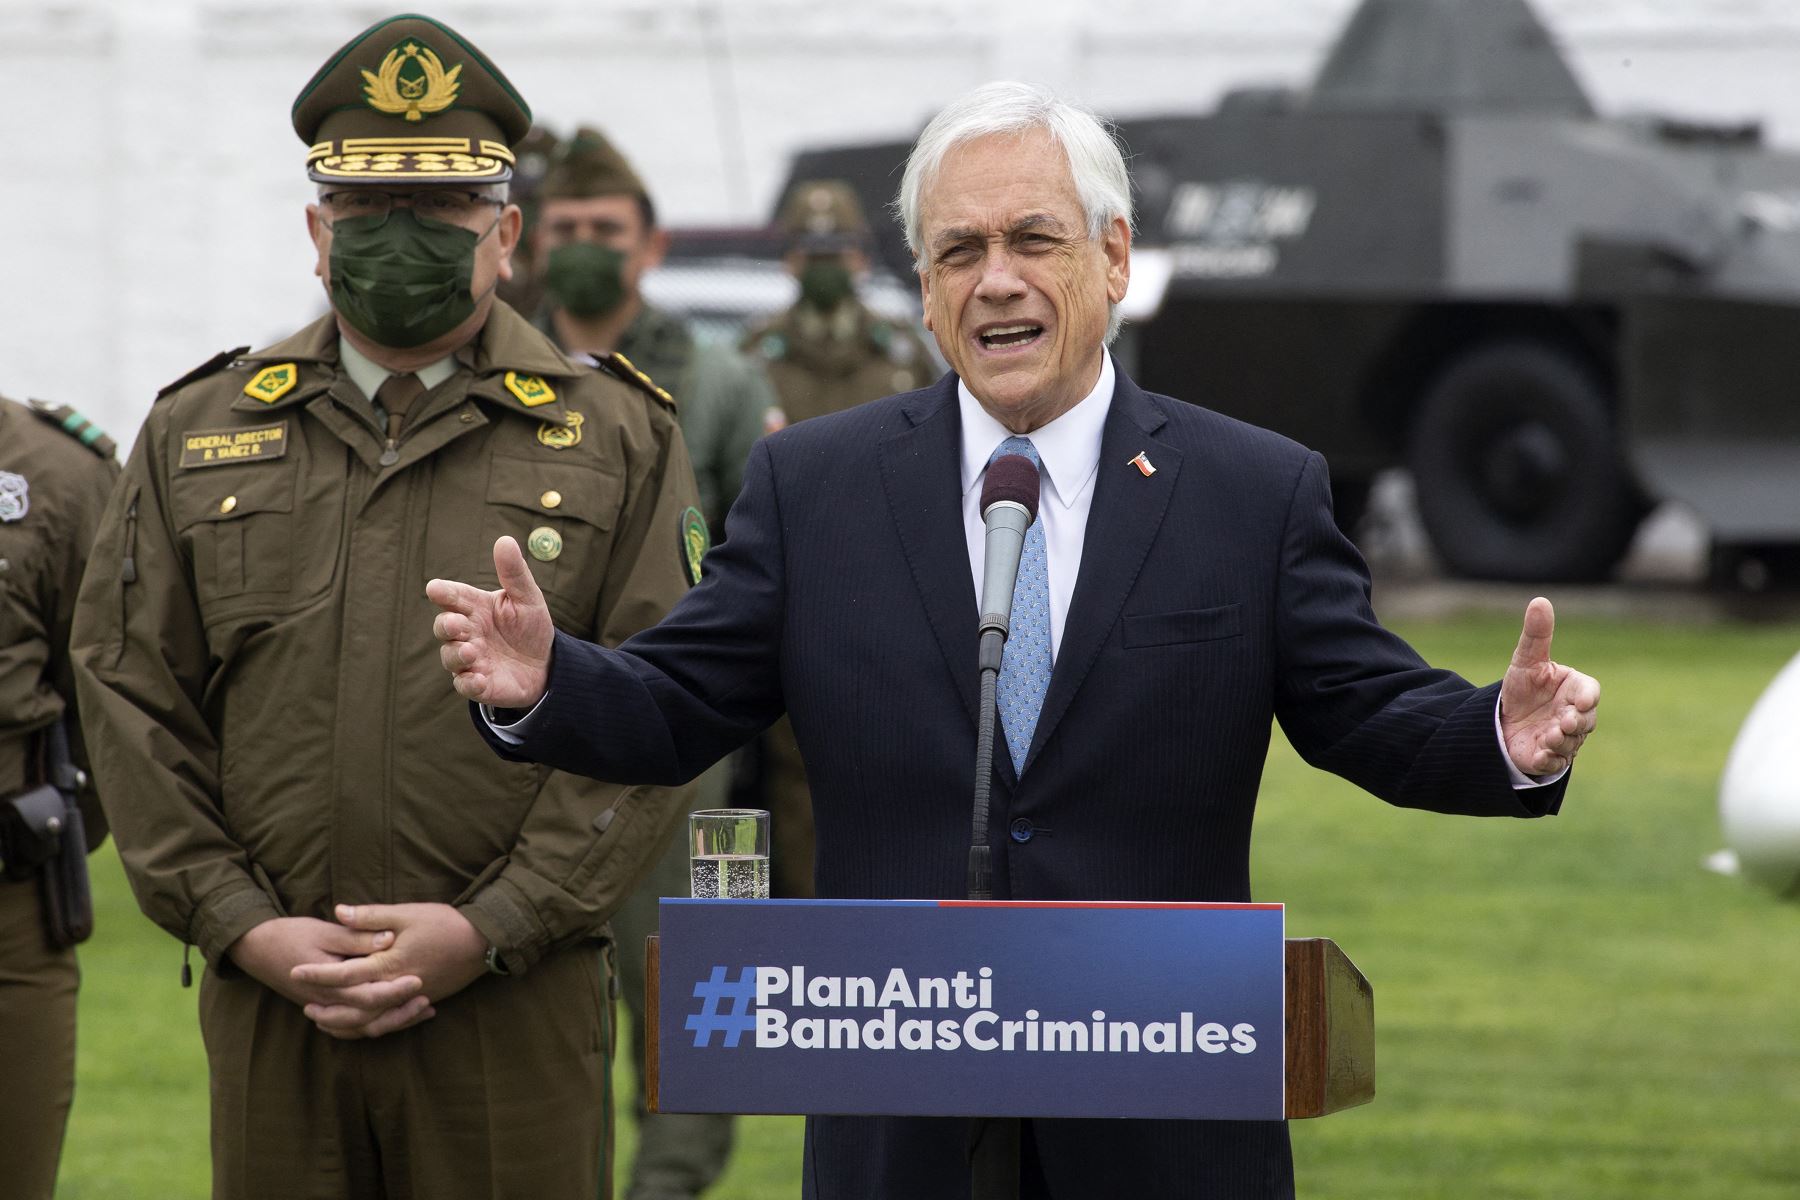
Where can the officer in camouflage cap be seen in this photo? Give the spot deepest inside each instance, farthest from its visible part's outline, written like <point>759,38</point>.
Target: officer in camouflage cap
<point>407,990</point>
<point>824,354</point>
<point>597,236</point>
<point>55,473</point>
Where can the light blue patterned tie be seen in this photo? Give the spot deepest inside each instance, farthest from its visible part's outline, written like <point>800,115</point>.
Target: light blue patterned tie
<point>1025,666</point>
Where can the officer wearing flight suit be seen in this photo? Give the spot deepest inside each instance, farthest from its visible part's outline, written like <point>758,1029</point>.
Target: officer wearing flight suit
<point>596,237</point>
<point>406,991</point>
<point>825,353</point>
<point>55,472</point>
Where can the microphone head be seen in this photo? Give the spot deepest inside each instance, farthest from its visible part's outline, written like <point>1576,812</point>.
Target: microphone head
<point>1011,477</point>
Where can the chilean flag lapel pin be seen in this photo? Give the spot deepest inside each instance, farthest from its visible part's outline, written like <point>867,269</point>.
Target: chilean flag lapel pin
<point>1142,463</point>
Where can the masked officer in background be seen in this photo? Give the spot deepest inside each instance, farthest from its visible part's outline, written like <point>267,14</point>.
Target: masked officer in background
<point>596,237</point>
<point>55,473</point>
<point>406,993</point>
<point>824,354</point>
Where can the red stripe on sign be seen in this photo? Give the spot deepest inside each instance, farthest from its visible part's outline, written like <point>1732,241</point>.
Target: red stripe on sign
<point>1102,904</point>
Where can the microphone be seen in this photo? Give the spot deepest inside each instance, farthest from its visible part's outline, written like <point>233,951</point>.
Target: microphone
<point>1009,502</point>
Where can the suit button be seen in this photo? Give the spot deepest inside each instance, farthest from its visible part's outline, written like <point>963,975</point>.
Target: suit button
<point>1022,830</point>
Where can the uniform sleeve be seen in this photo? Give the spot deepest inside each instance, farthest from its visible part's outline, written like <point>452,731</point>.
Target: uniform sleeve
<point>742,424</point>
<point>140,657</point>
<point>88,493</point>
<point>584,845</point>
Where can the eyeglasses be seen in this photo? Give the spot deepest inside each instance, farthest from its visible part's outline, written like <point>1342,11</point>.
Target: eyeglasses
<point>438,204</point>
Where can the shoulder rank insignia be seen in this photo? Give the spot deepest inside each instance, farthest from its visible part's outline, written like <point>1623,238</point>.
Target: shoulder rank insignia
<point>214,364</point>
<point>15,497</point>
<point>561,437</point>
<point>530,389</point>
<point>76,426</point>
<point>272,383</point>
<point>695,541</point>
<point>619,367</point>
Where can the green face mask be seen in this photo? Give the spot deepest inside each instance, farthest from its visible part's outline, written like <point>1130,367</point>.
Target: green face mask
<point>402,282</point>
<point>586,278</point>
<point>825,283</point>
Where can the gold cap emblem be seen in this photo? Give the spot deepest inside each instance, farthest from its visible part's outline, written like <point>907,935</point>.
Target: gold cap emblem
<point>544,543</point>
<point>411,80</point>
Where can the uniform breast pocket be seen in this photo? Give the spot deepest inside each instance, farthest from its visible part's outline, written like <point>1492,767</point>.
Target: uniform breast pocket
<point>1182,628</point>
<point>563,516</point>
<point>238,526</point>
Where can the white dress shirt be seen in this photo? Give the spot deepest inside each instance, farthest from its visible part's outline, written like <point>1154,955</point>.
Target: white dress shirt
<point>1069,450</point>
<point>369,375</point>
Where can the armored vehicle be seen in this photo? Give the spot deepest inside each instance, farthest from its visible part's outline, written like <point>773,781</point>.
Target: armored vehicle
<point>1438,255</point>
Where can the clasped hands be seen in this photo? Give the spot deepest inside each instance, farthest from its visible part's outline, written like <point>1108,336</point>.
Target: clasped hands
<point>378,970</point>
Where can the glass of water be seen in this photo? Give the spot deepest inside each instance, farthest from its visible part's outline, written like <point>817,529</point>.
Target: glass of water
<point>728,853</point>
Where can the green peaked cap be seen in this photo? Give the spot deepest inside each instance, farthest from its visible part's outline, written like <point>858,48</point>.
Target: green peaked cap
<point>410,99</point>
<point>588,164</point>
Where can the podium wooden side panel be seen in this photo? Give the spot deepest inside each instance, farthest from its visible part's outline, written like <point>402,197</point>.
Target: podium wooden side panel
<point>1330,1030</point>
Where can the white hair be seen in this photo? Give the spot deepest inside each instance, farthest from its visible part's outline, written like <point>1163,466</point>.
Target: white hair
<point>1096,164</point>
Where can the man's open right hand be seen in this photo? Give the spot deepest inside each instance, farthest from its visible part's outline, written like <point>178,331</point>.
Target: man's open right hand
<point>496,645</point>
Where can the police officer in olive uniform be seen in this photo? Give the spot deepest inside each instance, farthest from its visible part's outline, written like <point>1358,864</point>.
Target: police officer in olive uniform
<point>828,352</point>
<point>824,354</point>
<point>596,237</point>
<point>55,472</point>
<point>407,993</point>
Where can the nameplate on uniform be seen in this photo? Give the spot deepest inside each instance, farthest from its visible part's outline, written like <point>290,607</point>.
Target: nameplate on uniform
<point>218,447</point>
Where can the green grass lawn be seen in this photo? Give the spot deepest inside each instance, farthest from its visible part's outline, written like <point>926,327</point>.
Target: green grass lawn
<point>1567,1008</point>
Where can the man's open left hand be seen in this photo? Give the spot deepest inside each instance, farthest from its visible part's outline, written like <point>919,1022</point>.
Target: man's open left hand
<point>1547,710</point>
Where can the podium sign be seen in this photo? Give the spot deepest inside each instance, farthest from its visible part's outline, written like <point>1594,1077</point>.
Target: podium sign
<point>962,1008</point>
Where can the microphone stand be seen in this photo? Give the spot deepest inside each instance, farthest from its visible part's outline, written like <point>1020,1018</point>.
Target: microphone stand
<point>981,861</point>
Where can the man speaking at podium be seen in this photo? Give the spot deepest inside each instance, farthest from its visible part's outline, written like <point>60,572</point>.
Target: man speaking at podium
<point>1183,582</point>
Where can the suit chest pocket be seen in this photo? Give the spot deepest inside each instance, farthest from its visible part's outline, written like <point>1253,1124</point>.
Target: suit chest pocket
<point>237,525</point>
<point>1181,628</point>
<point>563,516</point>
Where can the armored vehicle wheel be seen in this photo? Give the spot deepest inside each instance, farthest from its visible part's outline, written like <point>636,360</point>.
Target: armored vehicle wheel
<point>1518,468</point>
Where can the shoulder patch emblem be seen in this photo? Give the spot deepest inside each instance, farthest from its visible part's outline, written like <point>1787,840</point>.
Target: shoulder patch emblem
<point>272,383</point>
<point>695,541</point>
<point>531,390</point>
<point>212,365</point>
<point>561,437</point>
<point>15,497</point>
<point>76,426</point>
<point>619,367</point>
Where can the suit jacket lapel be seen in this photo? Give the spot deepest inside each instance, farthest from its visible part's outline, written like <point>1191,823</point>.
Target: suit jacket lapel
<point>1127,512</point>
<point>921,472</point>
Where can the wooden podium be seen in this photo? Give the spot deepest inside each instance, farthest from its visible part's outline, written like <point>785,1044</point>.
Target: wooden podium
<point>1330,1043</point>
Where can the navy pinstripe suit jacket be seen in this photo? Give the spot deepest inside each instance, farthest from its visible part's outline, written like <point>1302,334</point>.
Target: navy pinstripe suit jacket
<point>1213,595</point>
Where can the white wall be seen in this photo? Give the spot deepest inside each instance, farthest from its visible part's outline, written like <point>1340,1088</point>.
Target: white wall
<point>152,188</point>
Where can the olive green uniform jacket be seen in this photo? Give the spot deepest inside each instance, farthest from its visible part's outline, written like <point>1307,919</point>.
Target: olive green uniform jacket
<point>724,399</point>
<point>825,363</point>
<point>273,731</point>
<point>52,492</point>
<point>42,553</point>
